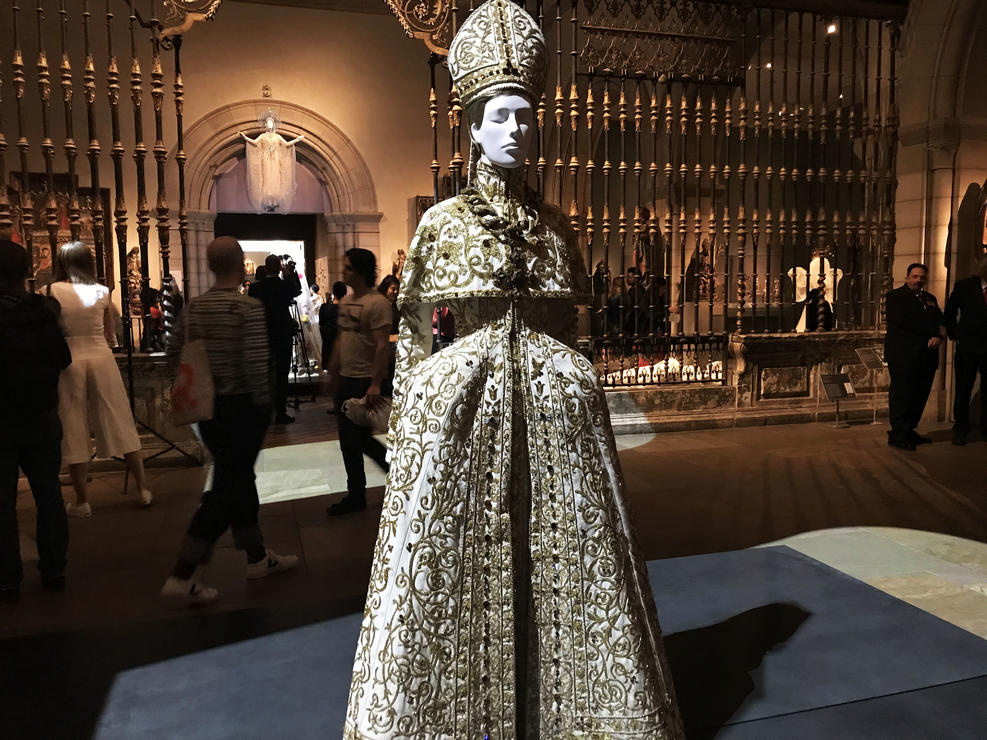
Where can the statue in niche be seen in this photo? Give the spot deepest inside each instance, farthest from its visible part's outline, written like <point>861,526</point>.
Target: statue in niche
<point>270,167</point>
<point>134,279</point>
<point>807,292</point>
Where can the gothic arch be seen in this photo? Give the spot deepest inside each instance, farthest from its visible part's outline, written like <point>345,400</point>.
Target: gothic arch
<point>213,140</point>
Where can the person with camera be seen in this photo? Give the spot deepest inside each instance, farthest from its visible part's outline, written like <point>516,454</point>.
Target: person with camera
<point>277,295</point>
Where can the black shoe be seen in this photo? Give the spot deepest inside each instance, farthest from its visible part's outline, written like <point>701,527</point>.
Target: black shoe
<point>901,444</point>
<point>348,505</point>
<point>53,584</point>
<point>959,437</point>
<point>917,439</point>
<point>10,594</point>
<point>283,419</point>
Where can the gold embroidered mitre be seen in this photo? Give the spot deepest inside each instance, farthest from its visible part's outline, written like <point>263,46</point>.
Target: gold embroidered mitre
<point>498,50</point>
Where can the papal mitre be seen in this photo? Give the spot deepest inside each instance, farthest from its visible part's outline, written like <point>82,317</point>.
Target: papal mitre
<point>498,50</point>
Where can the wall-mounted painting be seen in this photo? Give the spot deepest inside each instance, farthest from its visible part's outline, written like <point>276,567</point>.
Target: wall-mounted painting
<point>38,193</point>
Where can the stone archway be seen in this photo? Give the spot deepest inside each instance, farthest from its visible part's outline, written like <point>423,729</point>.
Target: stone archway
<point>213,141</point>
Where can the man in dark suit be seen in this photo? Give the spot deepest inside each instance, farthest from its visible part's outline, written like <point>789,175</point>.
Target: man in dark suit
<point>911,349</point>
<point>277,295</point>
<point>969,330</point>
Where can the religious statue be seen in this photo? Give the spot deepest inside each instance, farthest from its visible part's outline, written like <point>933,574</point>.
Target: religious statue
<point>134,281</point>
<point>270,168</point>
<point>397,267</point>
<point>508,596</point>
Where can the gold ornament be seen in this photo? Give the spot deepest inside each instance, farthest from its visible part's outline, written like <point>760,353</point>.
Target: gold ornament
<point>499,49</point>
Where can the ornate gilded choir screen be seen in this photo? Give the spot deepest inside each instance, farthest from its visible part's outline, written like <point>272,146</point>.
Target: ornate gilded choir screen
<point>727,167</point>
<point>45,105</point>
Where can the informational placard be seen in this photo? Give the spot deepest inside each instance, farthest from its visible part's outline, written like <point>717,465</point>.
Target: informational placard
<point>837,386</point>
<point>872,357</point>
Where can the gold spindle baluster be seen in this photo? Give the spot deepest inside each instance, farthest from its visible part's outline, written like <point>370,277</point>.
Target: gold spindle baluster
<point>621,211</point>
<point>824,189</point>
<point>669,174</point>
<point>69,145</point>
<point>143,211</point>
<point>93,150</point>
<point>26,207</point>
<point>433,118</point>
<point>711,221</point>
<point>47,145</point>
<point>810,173</point>
<point>683,184</point>
<point>6,213</point>
<point>783,177</point>
<point>697,218</point>
<point>559,108</point>
<point>727,180</point>
<point>741,213</point>
<point>161,208</point>
<point>574,163</point>
<point>769,180</point>
<point>119,202</point>
<point>607,167</point>
<point>591,180</point>
<point>890,147</point>
<point>654,103</point>
<point>180,160</point>
<point>755,226</point>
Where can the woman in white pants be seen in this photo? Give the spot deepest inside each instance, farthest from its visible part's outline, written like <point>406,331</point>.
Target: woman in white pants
<point>91,396</point>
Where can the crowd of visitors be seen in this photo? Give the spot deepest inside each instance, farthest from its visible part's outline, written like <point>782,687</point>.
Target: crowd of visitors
<point>57,350</point>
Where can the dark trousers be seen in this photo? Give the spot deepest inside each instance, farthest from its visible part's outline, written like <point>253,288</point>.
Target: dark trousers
<point>967,366</point>
<point>234,437</point>
<point>281,353</point>
<point>35,445</point>
<point>910,387</point>
<point>356,441</point>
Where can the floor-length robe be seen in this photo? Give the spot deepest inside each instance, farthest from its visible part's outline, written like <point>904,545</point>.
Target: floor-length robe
<point>507,598</point>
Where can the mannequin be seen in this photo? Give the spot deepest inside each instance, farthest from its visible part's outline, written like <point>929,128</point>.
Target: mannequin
<point>507,597</point>
<point>805,282</point>
<point>270,168</point>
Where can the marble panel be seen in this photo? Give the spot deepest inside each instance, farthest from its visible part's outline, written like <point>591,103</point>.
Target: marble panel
<point>784,382</point>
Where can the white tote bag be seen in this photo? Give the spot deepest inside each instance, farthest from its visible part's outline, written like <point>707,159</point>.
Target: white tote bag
<point>192,394</point>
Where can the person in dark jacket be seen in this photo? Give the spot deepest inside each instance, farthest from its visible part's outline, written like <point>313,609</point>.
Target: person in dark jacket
<point>911,349</point>
<point>277,295</point>
<point>966,323</point>
<point>34,352</point>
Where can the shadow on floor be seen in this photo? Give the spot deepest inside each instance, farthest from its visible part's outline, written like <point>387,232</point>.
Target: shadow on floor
<point>711,665</point>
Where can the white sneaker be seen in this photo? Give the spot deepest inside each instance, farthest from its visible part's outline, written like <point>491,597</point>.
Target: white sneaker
<point>188,590</point>
<point>146,498</point>
<point>83,511</point>
<point>273,563</point>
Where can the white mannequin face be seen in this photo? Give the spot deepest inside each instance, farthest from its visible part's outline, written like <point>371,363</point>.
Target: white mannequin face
<point>504,133</point>
<point>270,124</point>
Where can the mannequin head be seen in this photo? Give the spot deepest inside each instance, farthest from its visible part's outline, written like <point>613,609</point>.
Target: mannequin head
<point>270,125</point>
<point>502,127</point>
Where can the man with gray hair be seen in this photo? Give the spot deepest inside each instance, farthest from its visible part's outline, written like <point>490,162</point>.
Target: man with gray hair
<point>234,330</point>
<point>965,318</point>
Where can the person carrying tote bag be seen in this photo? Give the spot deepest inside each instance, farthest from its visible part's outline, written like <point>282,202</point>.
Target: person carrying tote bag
<point>193,393</point>
<point>231,330</point>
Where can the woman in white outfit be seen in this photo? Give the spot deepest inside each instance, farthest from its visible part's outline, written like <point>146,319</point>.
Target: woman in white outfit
<point>91,396</point>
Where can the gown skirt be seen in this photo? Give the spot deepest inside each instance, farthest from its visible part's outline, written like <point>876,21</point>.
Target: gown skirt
<point>507,597</point>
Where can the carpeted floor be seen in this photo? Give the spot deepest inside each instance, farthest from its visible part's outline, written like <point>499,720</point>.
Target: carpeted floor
<point>763,643</point>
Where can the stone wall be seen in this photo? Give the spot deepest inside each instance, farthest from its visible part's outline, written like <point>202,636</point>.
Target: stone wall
<point>770,379</point>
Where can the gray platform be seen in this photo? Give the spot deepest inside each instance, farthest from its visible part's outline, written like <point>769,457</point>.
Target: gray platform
<point>763,643</point>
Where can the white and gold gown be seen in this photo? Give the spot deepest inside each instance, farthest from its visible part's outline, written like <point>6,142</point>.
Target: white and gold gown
<point>507,597</point>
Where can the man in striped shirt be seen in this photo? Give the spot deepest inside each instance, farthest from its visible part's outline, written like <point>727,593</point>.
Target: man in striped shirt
<point>234,330</point>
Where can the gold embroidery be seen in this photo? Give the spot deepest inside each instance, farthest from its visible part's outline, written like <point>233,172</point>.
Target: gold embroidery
<point>505,548</point>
